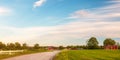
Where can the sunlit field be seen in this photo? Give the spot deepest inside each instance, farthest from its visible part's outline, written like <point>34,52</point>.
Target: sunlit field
<point>7,54</point>
<point>89,55</point>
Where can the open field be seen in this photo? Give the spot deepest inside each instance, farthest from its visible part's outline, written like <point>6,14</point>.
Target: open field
<point>37,56</point>
<point>8,54</point>
<point>89,55</point>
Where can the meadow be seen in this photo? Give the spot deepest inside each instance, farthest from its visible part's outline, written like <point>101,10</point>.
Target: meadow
<point>13,54</point>
<point>88,55</point>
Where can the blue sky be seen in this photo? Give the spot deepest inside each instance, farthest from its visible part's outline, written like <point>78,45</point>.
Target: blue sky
<point>59,22</point>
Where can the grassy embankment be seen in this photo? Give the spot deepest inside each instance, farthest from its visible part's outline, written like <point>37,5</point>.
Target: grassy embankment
<point>89,55</point>
<point>3,56</point>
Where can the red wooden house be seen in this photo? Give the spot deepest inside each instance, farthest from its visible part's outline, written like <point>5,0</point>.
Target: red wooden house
<point>112,47</point>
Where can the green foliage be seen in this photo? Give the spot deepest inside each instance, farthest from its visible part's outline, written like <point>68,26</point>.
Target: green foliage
<point>92,43</point>
<point>36,46</point>
<point>89,55</point>
<point>2,46</point>
<point>109,41</point>
<point>61,47</point>
<point>24,46</point>
<point>10,46</point>
<point>18,46</point>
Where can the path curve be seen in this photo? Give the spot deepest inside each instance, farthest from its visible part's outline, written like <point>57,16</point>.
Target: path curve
<point>37,56</point>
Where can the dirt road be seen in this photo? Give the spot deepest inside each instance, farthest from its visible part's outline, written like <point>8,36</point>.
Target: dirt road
<point>37,56</point>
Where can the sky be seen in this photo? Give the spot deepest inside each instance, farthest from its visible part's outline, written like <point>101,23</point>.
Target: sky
<point>59,22</point>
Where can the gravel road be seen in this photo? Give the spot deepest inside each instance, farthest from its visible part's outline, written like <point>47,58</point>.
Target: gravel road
<point>37,56</point>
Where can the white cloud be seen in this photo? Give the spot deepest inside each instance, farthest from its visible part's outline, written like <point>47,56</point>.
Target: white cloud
<point>68,32</point>
<point>98,14</point>
<point>77,30</point>
<point>39,3</point>
<point>5,11</point>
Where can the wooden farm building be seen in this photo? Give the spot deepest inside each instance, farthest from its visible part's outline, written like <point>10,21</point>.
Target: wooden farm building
<point>111,47</point>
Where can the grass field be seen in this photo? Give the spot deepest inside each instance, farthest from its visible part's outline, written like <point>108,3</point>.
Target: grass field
<point>3,56</point>
<point>89,55</point>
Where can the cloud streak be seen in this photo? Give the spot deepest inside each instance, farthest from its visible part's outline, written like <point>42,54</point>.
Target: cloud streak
<point>98,14</point>
<point>5,11</point>
<point>70,31</point>
<point>97,22</point>
<point>39,3</point>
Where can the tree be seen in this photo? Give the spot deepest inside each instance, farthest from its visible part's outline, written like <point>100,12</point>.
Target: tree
<point>109,41</point>
<point>2,46</point>
<point>61,47</point>
<point>24,46</point>
<point>17,45</point>
<point>11,46</point>
<point>36,46</point>
<point>92,43</point>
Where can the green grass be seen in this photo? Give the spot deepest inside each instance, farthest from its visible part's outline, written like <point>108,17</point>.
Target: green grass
<point>89,55</point>
<point>4,56</point>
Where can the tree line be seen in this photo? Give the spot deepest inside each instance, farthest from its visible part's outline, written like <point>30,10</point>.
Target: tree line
<point>91,43</point>
<point>17,46</point>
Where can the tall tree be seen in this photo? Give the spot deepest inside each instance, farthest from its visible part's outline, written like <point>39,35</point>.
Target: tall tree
<point>92,43</point>
<point>109,41</point>
<point>1,45</point>
<point>24,46</point>
<point>61,47</point>
<point>36,46</point>
<point>17,45</point>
